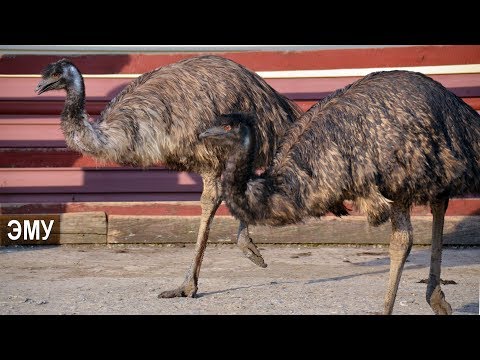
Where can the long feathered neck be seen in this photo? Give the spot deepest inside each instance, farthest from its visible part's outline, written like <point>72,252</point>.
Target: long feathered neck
<point>74,108</point>
<point>239,168</point>
<point>256,199</point>
<point>80,134</point>
<point>247,196</point>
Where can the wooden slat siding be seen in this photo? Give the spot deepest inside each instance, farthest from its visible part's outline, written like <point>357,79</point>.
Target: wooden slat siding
<point>104,180</point>
<point>181,207</point>
<point>17,100</point>
<point>258,60</point>
<point>43,131</point>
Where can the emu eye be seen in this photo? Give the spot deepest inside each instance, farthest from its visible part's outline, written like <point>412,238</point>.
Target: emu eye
<point>227,127</point>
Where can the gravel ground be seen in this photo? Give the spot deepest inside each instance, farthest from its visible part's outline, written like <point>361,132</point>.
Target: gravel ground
<point>125,279</point>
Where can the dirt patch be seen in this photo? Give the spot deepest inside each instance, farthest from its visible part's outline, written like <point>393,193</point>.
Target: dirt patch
<point>126,279</point>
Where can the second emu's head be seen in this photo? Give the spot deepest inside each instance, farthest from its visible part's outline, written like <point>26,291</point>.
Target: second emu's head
<point>232,130</point>
<point>59,75</point>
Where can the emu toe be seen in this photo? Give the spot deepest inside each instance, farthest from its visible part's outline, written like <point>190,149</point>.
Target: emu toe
<point>251,251</point>
<point>437,302</point>
<point>185,290</point>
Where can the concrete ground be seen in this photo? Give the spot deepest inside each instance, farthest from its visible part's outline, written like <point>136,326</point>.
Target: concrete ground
<point>125,279</point>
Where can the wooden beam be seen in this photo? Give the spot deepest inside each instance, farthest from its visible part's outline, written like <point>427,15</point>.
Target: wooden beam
<point>459,230</point>
<point>71,228</point>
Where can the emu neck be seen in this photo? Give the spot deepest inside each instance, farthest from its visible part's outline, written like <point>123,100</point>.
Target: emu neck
<point>239,168</point>
<point>74,108</point>
<point>80,134</point>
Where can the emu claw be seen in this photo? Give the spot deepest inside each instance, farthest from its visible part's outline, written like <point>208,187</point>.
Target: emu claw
<point>437,302</point>
<point>185,290</point>
<point>251,251</point>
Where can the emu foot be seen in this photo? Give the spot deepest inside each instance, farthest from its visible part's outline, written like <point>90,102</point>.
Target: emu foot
<point>251,251</point>
<point>438,303</point>
<point>187,289</point>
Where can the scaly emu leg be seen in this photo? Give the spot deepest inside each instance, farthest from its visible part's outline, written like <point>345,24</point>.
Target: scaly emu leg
<point>400,245</point>
<point>210,201</point>
<point>249,249</point>
<point>435,296</point>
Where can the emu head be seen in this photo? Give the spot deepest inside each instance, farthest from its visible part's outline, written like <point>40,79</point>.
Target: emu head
<point>231,130</point>
<point>58,75</point>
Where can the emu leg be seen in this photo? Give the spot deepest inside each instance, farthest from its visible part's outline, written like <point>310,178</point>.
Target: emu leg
<point>435,296</point>
<point>210,201</point>
<point>249,249</point>
<point>400,245</point>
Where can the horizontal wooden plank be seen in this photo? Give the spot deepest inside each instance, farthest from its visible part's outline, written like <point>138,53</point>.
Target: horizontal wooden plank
<point>105,181</point>
<point>20,144</point>
<point>259,60</point>
<point>168,208</point>
<point>457,207</point>
<point>20,131</point>
<point>81,227</point>
<point>9,198</point>
<point>458,230</point>
<point>25,131</point>
<point>13,89</point>
<point>46,157</point>
<point>63,239</point>
<point>40,107</point>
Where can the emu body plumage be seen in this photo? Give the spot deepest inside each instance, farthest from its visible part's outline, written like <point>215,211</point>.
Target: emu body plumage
<point>157,118</point>
<point>387,141</point>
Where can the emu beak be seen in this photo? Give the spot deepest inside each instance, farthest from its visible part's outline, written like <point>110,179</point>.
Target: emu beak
<point>44,85</point>
<point>213,132</point>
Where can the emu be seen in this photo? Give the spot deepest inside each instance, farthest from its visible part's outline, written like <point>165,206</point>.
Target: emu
<point>387,141</point>
<point>157,118</point>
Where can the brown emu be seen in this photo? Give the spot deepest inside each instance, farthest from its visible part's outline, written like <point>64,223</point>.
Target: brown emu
<point>387,141</point>
<point>157,118</point>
